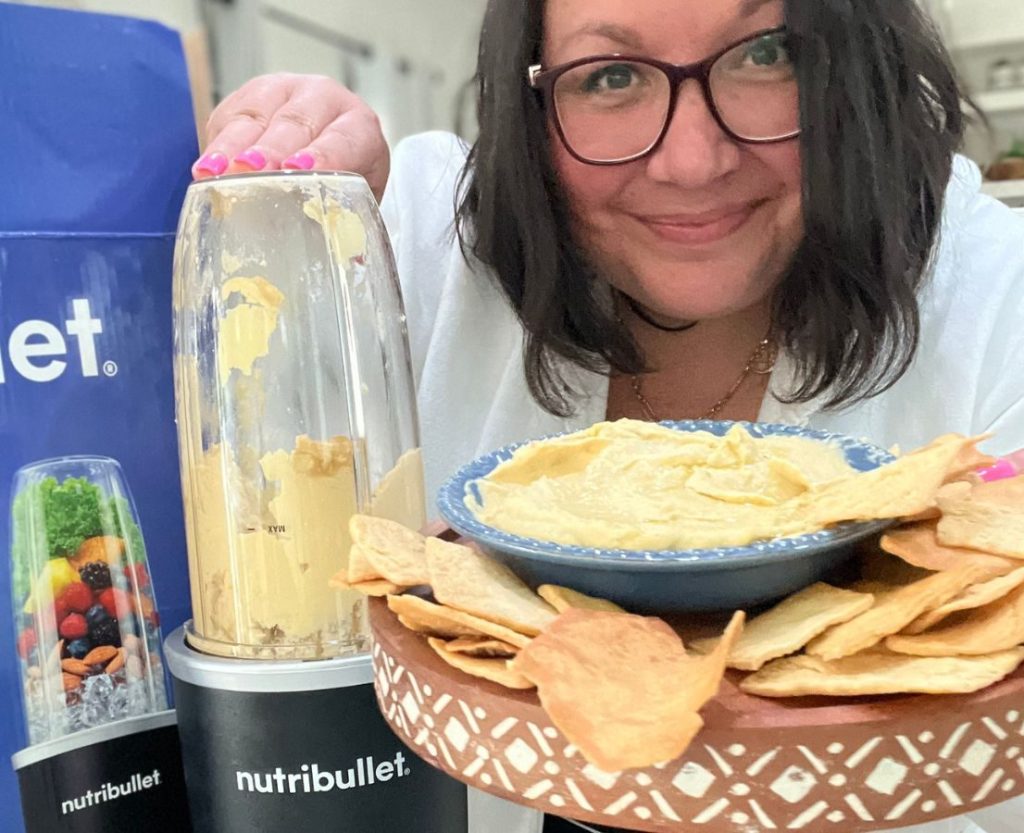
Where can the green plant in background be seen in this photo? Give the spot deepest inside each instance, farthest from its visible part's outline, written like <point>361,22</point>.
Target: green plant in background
<point>1016,150</point>
<point>67,514</point>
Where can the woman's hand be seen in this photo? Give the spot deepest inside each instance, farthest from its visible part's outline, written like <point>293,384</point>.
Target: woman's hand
<point>297,122</point>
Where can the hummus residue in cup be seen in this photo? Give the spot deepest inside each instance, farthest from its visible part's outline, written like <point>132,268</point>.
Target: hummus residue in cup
<point>636,485</point>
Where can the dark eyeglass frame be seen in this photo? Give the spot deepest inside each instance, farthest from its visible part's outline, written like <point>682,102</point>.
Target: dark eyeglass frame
<point>544,80</point>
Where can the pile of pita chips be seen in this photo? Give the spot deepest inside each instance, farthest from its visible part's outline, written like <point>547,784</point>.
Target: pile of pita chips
<point>951,620</point>
<point>487,623</point>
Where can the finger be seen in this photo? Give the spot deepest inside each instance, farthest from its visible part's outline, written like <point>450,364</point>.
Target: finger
<point>352,142</point>
<point>311,108</point>
<point>240,120</point>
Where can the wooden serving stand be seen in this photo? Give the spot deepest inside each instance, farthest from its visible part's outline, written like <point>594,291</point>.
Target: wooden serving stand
<point>811,764</point>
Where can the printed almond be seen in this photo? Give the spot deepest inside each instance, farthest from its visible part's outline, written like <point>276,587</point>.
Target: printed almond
<point>117,663</point>
<point>100,655</point>
<point>71,681</point>
<point>77,667</point>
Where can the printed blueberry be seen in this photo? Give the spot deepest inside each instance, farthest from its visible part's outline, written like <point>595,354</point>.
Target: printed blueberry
<point>96,615</point>
<point>78,648</point>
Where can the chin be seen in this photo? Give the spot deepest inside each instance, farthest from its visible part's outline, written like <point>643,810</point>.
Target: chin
<point>689,297</point>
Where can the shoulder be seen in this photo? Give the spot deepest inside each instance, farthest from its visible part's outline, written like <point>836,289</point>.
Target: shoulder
<point>978,230</point>
<point>425,170</point>
<point>979,264</point>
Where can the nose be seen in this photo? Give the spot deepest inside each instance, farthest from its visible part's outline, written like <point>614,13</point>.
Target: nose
<point>695,151</point>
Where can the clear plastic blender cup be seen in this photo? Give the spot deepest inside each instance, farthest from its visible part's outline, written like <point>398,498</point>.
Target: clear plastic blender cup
<point>85,616</point>
<point>295,407</point>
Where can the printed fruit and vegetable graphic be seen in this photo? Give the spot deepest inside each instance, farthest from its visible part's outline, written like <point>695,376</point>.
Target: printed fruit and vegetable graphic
<point>88,631</point>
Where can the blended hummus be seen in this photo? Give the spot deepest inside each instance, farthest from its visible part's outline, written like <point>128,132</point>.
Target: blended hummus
<point>263,572</point>
<point>636,485</point>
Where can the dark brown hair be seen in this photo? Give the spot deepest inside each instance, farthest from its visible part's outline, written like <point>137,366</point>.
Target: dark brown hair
<point>882,119</point>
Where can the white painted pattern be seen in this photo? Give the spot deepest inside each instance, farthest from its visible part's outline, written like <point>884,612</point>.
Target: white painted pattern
<point>813,784</point>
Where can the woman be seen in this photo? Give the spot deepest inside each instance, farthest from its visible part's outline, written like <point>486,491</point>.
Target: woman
<point>746,209</point>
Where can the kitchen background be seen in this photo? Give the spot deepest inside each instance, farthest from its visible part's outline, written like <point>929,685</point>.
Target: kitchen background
<point>412,59</point>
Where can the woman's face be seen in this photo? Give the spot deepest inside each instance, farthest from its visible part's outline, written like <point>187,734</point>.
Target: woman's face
<point>704,226</point>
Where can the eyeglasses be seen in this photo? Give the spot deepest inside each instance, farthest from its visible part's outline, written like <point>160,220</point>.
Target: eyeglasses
<point>613,109</point>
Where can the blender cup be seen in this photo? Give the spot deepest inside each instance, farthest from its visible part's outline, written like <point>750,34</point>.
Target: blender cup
<point>88,632</point>
<point>294,404</point>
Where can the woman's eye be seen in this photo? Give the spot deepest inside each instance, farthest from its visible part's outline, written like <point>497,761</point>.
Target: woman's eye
<point>618,77</point>
<point>768,51</point>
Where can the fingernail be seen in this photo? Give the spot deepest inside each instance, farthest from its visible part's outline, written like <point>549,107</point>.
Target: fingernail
<point>299,162</point>
<point>213,164</point>
<point>1000,471</point>
<point>252,159</point>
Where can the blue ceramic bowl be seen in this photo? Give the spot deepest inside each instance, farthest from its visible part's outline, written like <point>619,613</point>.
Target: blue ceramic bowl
<point>674,581</point>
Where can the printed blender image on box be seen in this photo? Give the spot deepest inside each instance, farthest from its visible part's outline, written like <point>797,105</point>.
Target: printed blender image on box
<point>94,688</point>
<point>295,411</point>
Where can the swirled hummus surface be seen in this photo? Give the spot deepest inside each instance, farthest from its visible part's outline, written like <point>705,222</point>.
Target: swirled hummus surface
<point>637,485</point>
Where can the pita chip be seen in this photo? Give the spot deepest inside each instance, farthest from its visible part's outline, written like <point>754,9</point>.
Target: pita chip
<point>470,581</point>
<point>789,626</point>
<point>880,672</point>
<point>988,517</point>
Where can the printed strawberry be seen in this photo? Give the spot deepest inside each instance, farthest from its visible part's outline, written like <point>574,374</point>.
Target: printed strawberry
<point>77,597</point>
<point>27,641</point>
<point>74,626</point>
<point>115,601</point>
<point>60,609</point>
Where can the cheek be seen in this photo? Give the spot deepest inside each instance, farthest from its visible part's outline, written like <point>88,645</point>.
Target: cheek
<point>589,189</point>
<point>783,164</point>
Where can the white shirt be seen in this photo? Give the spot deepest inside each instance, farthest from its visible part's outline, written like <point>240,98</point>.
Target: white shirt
<point>467,346</point>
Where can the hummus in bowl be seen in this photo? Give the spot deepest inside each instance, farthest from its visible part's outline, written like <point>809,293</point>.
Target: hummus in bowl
<point>676,516</point>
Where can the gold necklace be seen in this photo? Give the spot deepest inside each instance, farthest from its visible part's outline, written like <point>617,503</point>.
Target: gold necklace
<point>760,363</point>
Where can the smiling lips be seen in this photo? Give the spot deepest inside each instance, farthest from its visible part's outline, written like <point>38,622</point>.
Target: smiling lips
<point>696,229</point>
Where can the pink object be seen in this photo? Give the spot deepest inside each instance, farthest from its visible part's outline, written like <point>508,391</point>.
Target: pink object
<point>213,164</point>
<point>1009,466</point>
<point>299,162</point>
<point>253,159</point>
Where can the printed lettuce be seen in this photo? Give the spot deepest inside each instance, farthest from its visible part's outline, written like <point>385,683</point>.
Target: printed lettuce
<point>67,514</point>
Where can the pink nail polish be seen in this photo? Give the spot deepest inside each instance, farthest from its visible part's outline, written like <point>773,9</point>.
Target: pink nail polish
<point>213,164</point>
<point>299,162</point>
<point>252,159</point>
<point>1000,471</point>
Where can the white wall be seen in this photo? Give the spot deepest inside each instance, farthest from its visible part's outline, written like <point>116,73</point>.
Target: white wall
<point>407,58</point>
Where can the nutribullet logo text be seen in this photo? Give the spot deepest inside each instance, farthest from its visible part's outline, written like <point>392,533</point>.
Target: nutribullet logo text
<point>109,792</point>
<point>38,350</point>
<point>310,778</point>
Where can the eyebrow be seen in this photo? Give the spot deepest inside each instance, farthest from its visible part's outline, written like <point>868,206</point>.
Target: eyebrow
<point>751,7</point>
<point>620,34</point>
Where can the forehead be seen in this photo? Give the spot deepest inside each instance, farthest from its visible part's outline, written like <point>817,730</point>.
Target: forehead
<point>681,30</point>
